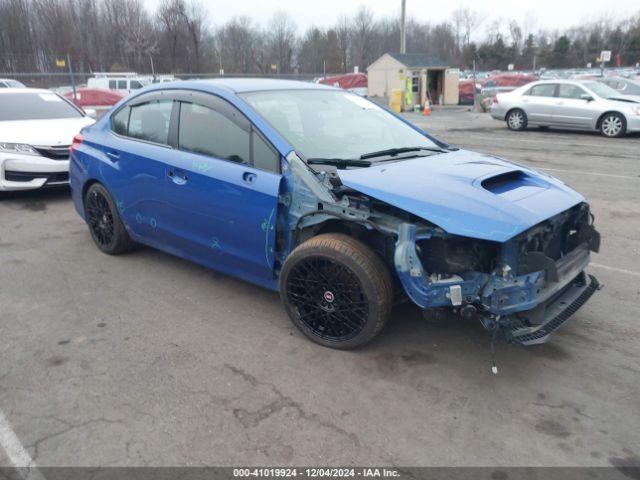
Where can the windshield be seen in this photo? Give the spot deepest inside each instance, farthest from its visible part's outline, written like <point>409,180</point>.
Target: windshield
<point>632,88</point>
<point>601,89</point>
<point>333,124</point>
<point>35,106</point>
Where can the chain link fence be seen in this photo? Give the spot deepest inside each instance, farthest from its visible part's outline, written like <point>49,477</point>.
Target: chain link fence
<point>54,80</point>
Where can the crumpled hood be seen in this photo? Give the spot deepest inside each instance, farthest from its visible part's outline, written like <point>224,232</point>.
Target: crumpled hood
<point>466,193</point>
<point>43,132</point>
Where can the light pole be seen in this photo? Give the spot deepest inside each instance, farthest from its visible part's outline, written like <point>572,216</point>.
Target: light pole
<point>403,32</point>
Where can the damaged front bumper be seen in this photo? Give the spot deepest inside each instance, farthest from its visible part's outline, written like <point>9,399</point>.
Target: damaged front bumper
<point>526,307</point>
<point>554,313</point>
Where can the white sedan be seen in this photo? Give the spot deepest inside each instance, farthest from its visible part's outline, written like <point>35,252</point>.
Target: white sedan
<point>36,131</point>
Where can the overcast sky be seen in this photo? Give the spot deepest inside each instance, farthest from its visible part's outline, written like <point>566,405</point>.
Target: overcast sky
<point>552,14</point>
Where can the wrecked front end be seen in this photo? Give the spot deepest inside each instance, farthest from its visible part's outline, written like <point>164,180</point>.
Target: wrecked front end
<point>527,287</point>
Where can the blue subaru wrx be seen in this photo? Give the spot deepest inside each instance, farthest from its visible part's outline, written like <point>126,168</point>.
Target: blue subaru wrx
<point>337,203</point>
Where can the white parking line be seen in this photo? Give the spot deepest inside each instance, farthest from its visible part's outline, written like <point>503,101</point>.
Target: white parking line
<point>614,269</point>
<point>15,452</point>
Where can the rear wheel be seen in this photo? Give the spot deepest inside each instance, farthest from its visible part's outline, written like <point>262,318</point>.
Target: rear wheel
<point>336,290</point>
<point>613,125</point>
<point>107,230</point>
<point>516,119</point>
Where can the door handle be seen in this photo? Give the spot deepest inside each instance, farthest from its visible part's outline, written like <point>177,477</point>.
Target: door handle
<point>249,177</point>
<point>179,178</point>
<point>113,154</point>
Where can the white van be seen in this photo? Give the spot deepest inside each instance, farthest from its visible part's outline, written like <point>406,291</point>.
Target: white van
<point>125,83</point>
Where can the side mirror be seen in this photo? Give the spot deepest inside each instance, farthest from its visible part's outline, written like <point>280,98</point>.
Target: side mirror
<point>587,97</point>
<point>91,113</point>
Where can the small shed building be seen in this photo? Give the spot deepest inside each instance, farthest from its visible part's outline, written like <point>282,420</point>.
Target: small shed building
<point>429,77</point>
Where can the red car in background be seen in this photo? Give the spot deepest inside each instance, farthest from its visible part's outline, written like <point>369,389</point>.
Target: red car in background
<point>354,82</point>
<point>99,99</point>
<point>506,82</point>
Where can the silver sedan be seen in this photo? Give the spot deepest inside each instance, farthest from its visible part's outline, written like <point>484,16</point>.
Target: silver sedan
<point>570,104</point>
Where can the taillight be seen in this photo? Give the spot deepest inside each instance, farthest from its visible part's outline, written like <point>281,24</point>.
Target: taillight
<point>77,140</point>
<point>495,99</point>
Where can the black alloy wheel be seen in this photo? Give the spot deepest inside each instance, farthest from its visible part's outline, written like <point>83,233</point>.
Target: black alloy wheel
<point>106,227</point>
<point>329,297</point>
<point>336,290</point>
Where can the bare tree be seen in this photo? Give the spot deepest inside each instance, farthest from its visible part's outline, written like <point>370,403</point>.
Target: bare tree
<point>470,20</point>
<point>516,35</point>
<point>121,35</point>
<point>240,47</point>
<point>343,34</point>
<point>281,40</point>
<point>361,35</point>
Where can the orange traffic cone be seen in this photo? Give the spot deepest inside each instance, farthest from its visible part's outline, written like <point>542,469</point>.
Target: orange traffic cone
<point>427,109</point>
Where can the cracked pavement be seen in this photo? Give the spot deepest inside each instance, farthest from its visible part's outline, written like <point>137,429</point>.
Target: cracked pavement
<point>146,359</point>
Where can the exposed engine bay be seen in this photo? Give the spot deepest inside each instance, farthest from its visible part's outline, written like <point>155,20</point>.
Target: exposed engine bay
<point>525,287</point>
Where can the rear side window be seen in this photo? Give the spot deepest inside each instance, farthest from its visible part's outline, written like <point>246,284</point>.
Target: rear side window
<point>544,90</point>
<point>122,84</point>
<point>150,121</point>
<point>203,130</point>
<point>113,84</point>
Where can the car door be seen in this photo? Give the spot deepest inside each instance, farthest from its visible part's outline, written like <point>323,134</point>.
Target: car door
<point>572,108</point>
<point>137,149</point>
<point>222,187</point>
<point>537,103</point>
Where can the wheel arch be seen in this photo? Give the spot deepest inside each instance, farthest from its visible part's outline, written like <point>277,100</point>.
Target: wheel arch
<point>609,112</point>
<point>87,185</point>
<point>383,245</point>
<point>515,108</point>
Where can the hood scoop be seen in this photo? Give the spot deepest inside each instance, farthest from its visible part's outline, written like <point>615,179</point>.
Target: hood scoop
<point>514,185</point>
<point>463,194</point>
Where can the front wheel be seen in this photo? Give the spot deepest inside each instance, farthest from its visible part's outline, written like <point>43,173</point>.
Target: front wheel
<point>106,227</point>
<point>613,125</point>
<point>336,290</point>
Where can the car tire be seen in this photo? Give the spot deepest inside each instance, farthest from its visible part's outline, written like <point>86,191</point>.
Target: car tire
<point>106,227</point>
<point>613,125</point>
<point>336,290</point>
<point>516,120</point>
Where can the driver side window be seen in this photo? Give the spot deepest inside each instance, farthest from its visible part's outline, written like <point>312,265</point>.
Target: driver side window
<point>566,90</point>
<point>214,133</point>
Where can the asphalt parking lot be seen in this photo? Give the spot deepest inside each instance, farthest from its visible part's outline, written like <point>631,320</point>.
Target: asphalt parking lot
<point>146,359</point>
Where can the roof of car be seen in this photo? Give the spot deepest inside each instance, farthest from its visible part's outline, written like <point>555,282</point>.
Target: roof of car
<point>242,85</point>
